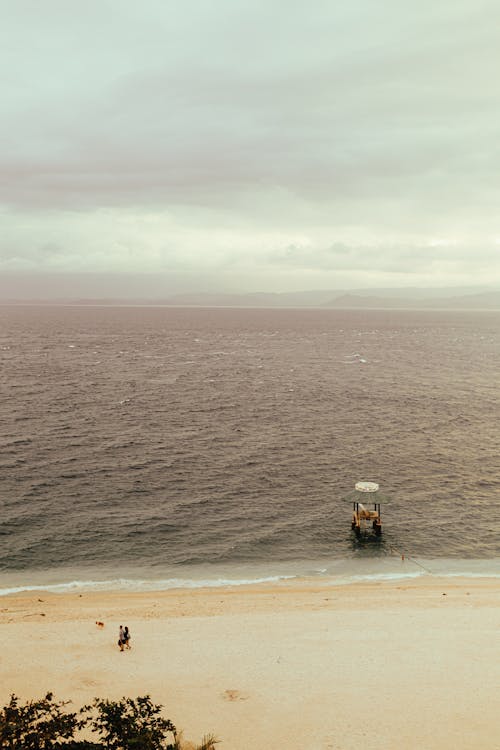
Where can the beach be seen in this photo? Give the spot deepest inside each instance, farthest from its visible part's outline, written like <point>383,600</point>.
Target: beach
<point>302,664</point>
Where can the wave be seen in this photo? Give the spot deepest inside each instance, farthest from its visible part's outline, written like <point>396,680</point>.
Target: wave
<point>341,573</point>
<point>124,584</point>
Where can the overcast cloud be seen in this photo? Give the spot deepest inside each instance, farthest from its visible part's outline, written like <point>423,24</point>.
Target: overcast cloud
<point>255,145</point>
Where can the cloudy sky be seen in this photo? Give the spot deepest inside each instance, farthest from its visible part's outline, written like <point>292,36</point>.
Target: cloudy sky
<point>251,145</point>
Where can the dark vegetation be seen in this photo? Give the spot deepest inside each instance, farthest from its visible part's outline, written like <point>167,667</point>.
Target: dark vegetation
<point>127,724</point>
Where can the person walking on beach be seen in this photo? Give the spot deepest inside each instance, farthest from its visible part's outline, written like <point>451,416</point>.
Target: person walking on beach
<point>126,636</point>
<point>121,638</point>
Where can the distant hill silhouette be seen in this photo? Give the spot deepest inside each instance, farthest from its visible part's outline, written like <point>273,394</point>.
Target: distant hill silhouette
<point>388,299</point>
<point>415,298</point>
<point>483,301</point>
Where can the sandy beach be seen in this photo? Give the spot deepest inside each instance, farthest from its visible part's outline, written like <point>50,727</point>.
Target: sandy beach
<point>299,665</point>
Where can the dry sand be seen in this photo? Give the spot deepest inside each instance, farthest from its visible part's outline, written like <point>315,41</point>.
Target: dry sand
<point>295,666</point>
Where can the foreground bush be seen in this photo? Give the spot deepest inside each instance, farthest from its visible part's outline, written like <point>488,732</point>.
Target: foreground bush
<point>135,724</point>
<point>127,724</point>
<point>36,725</point>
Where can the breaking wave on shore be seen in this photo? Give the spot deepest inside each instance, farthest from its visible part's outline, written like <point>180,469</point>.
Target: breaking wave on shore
<point>338,573</point>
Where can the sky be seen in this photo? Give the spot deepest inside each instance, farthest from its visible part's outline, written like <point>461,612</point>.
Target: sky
<point>250,146</point>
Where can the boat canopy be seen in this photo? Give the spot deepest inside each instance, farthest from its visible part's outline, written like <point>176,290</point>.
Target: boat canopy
<point>366,486</point>
<point>362,492</point>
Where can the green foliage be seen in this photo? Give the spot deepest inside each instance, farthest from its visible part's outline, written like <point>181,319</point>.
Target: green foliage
<point>130,724</point>
<point>127,724</point>
<point>36,725</point>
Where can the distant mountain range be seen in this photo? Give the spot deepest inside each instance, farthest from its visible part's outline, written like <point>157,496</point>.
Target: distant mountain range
<point>482,301</point>
<point>414,298</point>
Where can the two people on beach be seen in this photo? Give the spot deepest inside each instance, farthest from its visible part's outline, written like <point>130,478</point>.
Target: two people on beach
<point>123,638</point>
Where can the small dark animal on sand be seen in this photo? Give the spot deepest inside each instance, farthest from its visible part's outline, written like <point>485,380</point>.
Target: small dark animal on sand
<point>99,624</point>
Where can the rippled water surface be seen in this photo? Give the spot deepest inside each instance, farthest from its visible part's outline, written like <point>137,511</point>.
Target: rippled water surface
<point>163,438</point>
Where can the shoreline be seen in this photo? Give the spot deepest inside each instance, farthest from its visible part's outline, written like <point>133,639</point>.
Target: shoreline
<point>338,572</point>
<point>290,665</point>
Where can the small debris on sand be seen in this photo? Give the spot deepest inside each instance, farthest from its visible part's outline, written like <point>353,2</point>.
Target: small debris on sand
<point>234,695</point>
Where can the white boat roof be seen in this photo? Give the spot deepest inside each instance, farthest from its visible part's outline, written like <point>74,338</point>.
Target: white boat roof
<point>366,486</point>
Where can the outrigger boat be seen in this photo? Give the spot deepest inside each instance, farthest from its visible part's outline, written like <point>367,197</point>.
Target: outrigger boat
<point>361,515</point>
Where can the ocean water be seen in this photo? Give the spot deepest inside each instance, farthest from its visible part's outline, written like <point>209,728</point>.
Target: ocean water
<point>150,447</point>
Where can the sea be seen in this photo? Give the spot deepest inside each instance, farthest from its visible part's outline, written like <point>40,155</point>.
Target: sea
<point>148,448</point>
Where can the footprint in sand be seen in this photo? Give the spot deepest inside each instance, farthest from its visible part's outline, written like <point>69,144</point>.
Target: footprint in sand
<point>234,695</point>
<point>89,682</point>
